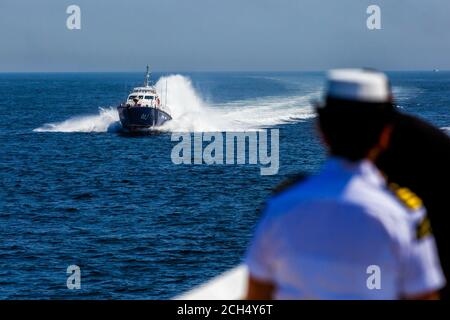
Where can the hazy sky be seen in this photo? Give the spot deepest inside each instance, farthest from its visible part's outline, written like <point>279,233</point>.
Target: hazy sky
<point>208,35</point>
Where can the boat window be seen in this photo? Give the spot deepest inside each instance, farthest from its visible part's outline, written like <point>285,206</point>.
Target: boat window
<point>141,97</point>
<point>131,97</point>
<point>149,97</point>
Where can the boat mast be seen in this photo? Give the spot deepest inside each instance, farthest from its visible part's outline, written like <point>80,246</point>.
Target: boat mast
<point>147,76</point>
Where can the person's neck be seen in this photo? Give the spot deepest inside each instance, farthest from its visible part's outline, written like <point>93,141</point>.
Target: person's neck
<point>373,154</point>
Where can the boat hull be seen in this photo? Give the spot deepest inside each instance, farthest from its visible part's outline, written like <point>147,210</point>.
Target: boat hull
<point>136,118</point>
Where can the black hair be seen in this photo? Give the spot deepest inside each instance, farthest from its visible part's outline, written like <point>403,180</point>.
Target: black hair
<point>352,128</point>
<point>418,157</point>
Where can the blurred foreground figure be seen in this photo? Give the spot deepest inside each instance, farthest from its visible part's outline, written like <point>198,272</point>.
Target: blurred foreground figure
<point>344,234</point>
<point>418,158</point>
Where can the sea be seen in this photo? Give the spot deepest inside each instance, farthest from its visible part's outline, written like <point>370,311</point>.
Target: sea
<point>76,190</point>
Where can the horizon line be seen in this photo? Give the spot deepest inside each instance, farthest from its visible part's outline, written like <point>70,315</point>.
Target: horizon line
<point>221,71</point>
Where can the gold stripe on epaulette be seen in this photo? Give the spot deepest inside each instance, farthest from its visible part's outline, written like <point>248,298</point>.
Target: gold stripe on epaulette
<point>406,196</point>
<point>423,228</point>
<point>404,193</point>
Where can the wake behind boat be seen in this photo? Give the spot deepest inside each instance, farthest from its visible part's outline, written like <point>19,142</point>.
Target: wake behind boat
<point>143,108</point>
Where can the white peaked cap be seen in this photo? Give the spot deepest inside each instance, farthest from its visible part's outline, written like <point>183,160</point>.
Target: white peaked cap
<point>358,85</point>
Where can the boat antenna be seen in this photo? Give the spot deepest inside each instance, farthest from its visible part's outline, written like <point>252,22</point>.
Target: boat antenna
<point>147,76</point>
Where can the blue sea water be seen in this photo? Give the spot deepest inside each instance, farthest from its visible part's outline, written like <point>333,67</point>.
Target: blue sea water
<point>76,190</point>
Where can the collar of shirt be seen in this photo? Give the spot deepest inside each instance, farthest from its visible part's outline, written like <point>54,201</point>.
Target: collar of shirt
<point>336,166</point>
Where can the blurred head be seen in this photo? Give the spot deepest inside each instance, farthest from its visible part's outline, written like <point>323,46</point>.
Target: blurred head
<point>355,118</point>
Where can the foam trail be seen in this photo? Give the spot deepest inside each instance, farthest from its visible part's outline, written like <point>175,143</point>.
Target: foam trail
<point>107,120</point>
<point>191,114</point>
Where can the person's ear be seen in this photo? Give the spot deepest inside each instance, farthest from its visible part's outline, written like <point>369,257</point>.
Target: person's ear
<point>383,143</point>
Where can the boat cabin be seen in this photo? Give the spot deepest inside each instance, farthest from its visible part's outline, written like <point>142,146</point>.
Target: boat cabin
<point>143,96</point>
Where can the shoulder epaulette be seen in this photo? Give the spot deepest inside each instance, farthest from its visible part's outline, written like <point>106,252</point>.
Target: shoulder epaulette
<point>408,198</point>
<point>413,203</point>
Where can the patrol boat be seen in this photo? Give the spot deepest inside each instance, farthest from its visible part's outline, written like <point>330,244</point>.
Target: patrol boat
<point>143,109</point>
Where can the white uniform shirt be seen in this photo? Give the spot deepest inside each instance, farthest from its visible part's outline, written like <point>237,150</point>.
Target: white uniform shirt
<point>318,238</point>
